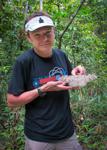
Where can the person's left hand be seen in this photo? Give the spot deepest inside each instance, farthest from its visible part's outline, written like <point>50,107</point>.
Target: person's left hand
<point>56,86</point>
<point>79,70</point>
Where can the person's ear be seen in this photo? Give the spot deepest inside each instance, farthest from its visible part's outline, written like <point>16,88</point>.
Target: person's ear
<point>28,37</point>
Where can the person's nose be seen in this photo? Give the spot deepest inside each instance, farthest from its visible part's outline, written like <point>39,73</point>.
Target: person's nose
<point>45,38</point>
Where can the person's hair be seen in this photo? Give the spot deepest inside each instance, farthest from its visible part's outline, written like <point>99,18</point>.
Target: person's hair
<point>35,14</point>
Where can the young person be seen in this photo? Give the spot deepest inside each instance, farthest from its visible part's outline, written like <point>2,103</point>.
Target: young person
<point>35,83</point>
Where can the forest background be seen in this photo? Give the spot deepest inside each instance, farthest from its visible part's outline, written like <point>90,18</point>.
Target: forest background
<point>85,43</point>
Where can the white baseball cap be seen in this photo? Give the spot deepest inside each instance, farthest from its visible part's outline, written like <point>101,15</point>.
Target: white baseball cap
<point>38,22</point>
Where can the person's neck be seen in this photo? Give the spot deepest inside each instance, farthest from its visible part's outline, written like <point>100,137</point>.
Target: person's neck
<point>45,54</point>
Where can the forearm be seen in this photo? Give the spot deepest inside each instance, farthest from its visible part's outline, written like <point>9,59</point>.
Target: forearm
<point>23,99</point>
<point>27,97</point>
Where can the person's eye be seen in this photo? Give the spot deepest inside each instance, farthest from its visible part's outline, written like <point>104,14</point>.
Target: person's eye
<point>37,35</point>
<point>48,33</point>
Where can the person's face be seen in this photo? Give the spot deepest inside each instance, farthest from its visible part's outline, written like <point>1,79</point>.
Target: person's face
<point>42,40</point>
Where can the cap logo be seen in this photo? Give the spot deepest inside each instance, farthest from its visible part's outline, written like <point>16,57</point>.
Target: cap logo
<point>41,20</point>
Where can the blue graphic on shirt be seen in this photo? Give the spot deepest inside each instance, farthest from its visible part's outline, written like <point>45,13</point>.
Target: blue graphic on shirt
<point>54,75</point>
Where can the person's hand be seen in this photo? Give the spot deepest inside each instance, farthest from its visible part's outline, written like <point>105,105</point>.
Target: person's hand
<point>79,70</point>
<point>56,86</point>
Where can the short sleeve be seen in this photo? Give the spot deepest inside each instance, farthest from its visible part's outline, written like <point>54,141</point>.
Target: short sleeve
<point>17,81</point>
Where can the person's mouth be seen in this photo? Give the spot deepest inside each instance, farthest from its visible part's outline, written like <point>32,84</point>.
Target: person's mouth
<point>46,44</point>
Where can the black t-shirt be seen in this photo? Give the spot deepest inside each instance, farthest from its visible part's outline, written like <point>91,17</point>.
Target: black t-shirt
<point>48,118</point>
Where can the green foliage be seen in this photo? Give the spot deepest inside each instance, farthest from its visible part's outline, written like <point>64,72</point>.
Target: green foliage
<point>84,43</point>
<point>89,111</point>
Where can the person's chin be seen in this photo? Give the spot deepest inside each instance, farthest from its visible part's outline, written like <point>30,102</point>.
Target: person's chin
<point>47,49</point>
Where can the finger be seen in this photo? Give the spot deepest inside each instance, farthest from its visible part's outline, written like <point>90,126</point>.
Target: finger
<point>79,70</point>
<point>59,82</point>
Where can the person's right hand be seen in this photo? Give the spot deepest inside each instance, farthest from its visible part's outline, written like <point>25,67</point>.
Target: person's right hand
<point>79,70</point>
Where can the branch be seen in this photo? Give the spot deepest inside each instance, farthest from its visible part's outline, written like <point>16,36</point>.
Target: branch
<point>71,20</point>
<point>2,124</point>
